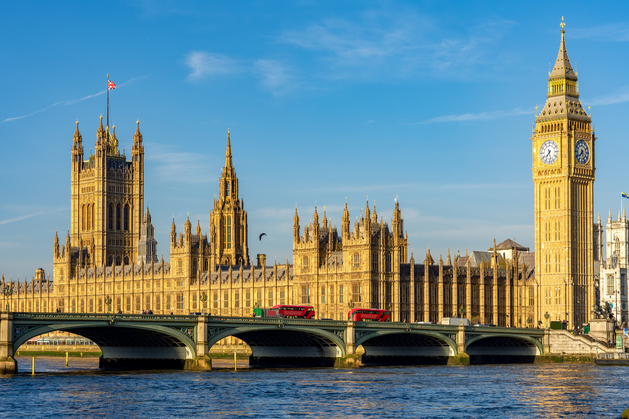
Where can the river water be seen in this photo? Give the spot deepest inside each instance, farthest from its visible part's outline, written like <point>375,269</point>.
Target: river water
<point>478,391</point>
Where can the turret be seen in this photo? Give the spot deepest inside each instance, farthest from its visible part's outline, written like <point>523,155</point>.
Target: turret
<point>173,233</point>
<point>345,223</point>
<point>56,245</point>
<point>296,227</point>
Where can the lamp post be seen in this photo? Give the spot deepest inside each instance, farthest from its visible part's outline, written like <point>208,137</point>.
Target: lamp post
<point>461,311</point>
<point>7,291</point>
<point>108,303</point>
<point>546,316</point>
<point>203,300</point>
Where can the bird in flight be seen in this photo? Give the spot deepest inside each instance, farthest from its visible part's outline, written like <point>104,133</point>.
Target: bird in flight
<point>260,238</point>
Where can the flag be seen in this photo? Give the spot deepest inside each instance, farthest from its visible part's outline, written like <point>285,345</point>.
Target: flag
<point>624,195</point>
<point>111,85</point>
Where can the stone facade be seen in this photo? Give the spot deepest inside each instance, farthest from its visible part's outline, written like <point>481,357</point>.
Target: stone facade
<point>563,144</point>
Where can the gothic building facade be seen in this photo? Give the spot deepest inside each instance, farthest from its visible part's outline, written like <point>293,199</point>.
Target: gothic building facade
<point>108,262</point>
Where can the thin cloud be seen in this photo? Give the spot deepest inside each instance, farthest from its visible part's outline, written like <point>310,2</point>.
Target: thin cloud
<point>274,76</point>
<point>180,167</point>
<point>203,64</point>
<point>27,216</point>
<point>620,97</point>
<point>616,32</point>
<point>69,102</point>
<point>481,116</point>
<point>394,45</point>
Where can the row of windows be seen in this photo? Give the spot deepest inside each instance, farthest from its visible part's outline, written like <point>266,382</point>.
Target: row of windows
<point>552,230</point>
<point>552,262</point>
<point>551,197</point>
<point>122,218</point>
<point>548,295</point>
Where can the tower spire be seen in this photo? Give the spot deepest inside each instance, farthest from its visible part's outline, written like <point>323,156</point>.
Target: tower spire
<point>228,152</point>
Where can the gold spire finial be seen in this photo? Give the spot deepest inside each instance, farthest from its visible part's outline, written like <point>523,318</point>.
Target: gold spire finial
<point>562,24</point>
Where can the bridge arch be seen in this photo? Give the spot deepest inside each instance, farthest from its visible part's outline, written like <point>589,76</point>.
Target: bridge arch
<point>406,347</point>
<point>275,345</point>
<point>126,345</point>
<point>503,348</point>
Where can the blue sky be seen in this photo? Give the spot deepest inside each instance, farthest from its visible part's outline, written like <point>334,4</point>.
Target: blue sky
<point>432,102</point>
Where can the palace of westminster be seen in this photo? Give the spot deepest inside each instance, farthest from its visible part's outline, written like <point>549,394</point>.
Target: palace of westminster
<point>108,261</point>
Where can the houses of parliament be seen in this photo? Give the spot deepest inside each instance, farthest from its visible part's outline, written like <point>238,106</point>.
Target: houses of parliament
<point>107,261</point>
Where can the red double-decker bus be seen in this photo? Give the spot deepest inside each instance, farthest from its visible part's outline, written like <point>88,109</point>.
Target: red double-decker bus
<point>295,312</point>
<point>368,314</point>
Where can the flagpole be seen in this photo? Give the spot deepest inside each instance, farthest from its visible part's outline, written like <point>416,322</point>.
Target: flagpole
<point>107,103</point>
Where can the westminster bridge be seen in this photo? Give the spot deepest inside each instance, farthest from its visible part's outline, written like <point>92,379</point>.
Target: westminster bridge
<point>133,341</point>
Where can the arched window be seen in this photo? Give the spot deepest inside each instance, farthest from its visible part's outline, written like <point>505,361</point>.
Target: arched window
<point>119,261</point>
<point>356,259</point>
<point>227,232</point>
<point>111,216</point>
<point>126,217</point>
<point>126,260</point>
<point>305,262</point>
<point>92,223</point>
<point>118,216</point>
<point>89,217</point>
<point>83,225</point>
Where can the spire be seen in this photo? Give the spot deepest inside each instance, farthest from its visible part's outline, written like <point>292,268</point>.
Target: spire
<point>448,259</point>
<point>100,133</point>
<point>137,137</point>
<point>77,138</point>
<point>375,214</point>
<point>599,216</point>
<point>228,153</point>
<point>609,218</point>
<point>315,217</point>
<point>563,68</point>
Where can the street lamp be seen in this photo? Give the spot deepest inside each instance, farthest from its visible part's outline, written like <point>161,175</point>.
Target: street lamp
<point>546,316</point>
<point>108,303</point>
<point>461,311</point>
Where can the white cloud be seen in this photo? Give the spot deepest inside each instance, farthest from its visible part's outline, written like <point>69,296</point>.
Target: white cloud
<point>395,44</point>
<point>204,64</point>
<point>620,96</point>
<point>614,32</point>
<point>274,76</point>
<point>175,167</point>
<point>69,102</point>
<point>481,116</point>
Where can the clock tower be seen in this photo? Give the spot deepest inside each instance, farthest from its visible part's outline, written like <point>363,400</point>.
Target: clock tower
<point>563,176</point>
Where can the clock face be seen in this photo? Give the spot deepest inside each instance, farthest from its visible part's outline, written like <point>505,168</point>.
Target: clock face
<point>581,152</point>
<point>549,152</point>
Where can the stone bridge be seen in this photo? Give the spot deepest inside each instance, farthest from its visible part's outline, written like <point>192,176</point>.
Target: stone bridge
<point>133,341</point>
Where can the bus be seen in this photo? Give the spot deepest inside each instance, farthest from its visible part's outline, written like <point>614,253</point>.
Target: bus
<point>368,314</point>
<point>286,311</point>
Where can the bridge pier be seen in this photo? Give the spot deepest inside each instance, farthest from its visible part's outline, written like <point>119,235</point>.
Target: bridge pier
<point>461,358</point>
<point>350,338</point>
<point>8,364</point>
<point>202,361</point>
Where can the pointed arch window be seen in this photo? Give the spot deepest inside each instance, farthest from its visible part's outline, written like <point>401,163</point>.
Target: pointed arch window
<point>111,216</point>
<point>227,189</point>
<point>227,232</point>
<point>118,216</point>
<point>126,217</point>
<point>83,219</point>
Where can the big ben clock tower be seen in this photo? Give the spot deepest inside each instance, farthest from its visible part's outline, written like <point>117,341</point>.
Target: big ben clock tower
<point>563,175</point>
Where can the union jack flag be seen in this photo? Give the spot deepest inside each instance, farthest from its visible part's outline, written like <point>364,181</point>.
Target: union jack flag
<point>111,85</point>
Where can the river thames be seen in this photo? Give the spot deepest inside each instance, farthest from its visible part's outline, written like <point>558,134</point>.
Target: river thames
<point>509,391</point>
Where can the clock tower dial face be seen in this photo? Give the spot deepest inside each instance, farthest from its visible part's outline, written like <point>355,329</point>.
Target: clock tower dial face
<point>548,152</point>
<point>581,152</point>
